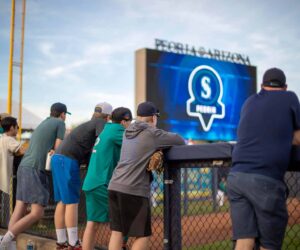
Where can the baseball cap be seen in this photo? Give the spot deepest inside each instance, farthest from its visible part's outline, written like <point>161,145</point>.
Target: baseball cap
<point>104,108</point>
<point>147,109</point>
<point>274,77</point>
<point>59,107</point>
<point>120,114</point>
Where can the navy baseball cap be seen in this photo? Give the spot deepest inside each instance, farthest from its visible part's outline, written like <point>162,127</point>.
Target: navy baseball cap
<point>147,109</point>
<point>275,78</point>
<point>59,107</point>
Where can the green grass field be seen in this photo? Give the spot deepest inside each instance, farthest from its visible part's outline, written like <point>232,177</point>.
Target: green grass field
<point>194,208</point>
<point>291,241</point>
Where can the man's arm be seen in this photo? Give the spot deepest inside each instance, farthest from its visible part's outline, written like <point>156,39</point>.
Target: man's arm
<point>296,139</point>
<point>60,134</point>
<point>166,139</point>
<point>57,143</point>
<point>15,147</point>
<point>21,150</point>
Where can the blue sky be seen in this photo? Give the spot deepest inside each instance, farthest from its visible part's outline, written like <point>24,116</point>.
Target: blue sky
<point>82,52</point>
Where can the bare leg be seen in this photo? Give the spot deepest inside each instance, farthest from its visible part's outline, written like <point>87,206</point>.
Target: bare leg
<point>18,213</point>
<point>245,244</point>
<point>141,243</point>
<point>71,215</point>
<point>71,220</point>
<point>89,236</point>
<point>115,242</point>
<point>36,213</point>
<point>59,216</point>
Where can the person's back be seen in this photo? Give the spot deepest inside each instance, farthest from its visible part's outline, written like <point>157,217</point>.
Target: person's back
<point>65,163</point>
<point>42,141</point>
<point>265,133</point>
<point>77,145</point>
<point>269,125</point>
<point>129,188</point>
<point>104,159</point>
<point>139,143</point>
<point>105,156</point>
<point>32,180</point>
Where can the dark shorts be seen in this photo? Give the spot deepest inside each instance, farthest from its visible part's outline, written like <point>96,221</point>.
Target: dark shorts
<point>32,186</point>
<point>97,204</point>
<point>129,214</point>
<point>66,179</point>
<point>258,208</point>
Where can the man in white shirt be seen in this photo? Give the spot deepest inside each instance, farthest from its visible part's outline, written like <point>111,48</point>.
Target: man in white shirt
<point>9,147</point>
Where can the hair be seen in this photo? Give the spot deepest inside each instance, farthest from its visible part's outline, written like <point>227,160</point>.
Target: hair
<point>55,113</point>
<point>100,115</point>
<point>121,114</point>
<point>8,122</point>
<point>145,118</point>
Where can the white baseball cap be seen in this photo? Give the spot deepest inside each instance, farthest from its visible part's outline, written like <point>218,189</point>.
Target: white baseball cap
<point>104,108</point>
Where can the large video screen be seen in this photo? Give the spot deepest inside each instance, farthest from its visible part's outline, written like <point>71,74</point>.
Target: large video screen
<point>198,98</point>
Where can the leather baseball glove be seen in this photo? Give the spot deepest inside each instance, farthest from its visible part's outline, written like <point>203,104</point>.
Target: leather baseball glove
<point>156,162</point>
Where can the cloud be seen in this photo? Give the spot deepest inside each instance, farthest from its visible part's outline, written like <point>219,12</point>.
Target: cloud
<point>46,49</point>
<point>115,99</point>
<point>60,70</point>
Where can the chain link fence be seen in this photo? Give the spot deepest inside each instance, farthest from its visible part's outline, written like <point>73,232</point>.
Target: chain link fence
<point>190,209</point>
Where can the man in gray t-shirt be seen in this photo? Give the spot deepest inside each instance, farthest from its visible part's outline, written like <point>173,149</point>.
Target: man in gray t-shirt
<point>33,183</point>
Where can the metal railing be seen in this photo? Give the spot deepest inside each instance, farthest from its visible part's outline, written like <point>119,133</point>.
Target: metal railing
<point>190,209</point>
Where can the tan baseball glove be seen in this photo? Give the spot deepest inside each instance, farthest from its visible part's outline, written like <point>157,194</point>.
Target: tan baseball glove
<point>156,162</point>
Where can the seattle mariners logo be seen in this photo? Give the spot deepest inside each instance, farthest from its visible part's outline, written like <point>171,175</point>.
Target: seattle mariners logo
<point>206,92</point>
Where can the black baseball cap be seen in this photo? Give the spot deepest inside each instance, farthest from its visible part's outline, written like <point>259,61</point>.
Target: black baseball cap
<point>121,113</point>
<point>275,78</point>
<point>59,107</point>
<point>147,109</point>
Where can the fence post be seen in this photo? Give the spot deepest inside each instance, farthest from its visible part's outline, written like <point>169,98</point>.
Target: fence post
<point>172,208</point>
<point>185,192</point>
<point>214,188</point>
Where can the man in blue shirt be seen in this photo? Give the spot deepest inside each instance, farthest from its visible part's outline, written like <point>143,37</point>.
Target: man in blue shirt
<point>269,125</point>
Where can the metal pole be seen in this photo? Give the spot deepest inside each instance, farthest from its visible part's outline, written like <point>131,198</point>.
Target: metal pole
<point>214,184</point>
<point>172,208</point>
<point>167,213</point>
<point>21,69</point>
<point>11,54</point>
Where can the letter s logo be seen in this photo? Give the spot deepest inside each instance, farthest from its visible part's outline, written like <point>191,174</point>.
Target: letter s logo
<point>206,92</point>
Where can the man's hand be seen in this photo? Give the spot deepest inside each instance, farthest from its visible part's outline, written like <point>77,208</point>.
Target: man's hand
<point>296,139</point>
<point>51,152</point>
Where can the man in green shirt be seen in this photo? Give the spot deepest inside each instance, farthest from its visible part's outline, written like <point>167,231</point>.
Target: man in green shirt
<point>105,156</point>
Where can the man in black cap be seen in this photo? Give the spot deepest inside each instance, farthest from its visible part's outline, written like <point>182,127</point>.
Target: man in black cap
<point>33,184</point>
<point>269,125</point>
<point>129,188</point>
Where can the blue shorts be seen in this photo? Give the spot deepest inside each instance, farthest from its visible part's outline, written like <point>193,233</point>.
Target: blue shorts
<point>66,179</point>
<point>258,208</point>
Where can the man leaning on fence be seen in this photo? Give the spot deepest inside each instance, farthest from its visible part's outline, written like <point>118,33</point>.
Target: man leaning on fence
<point>33,183</point>
<point>129,188</point>
<point>74,151</point>
<point>269,125</point>
<point>104,159</point>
